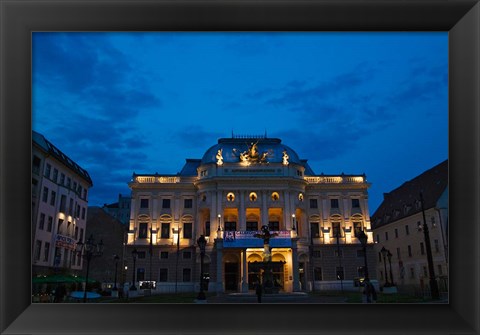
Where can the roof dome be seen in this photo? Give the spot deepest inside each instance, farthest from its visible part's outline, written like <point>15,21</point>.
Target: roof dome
<point>271,148</point>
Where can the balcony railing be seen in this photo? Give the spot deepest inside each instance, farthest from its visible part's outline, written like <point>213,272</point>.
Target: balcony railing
<point>335,179</point>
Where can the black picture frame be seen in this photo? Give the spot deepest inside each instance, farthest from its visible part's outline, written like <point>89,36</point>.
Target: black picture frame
<point>20,18</point>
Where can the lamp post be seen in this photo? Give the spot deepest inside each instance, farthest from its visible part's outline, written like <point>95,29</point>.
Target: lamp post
<point>389,255</point>
<point>115,258</point>
<point>363,238</point>
<point>178,256</point>
<point>219,229</point>
<point>384,254</point>
<point>433,283</point>
<point>201,244</point>
<point>134,256</point>
<point>89,250</point>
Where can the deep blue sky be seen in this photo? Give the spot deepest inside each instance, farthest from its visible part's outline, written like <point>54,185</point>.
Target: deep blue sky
<point>118,103</point>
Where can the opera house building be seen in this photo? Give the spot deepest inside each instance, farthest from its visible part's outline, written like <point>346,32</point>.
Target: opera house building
<point>240,185</point>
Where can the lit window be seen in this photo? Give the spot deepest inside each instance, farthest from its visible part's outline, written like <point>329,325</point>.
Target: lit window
<point>230,197</point>
<point>300,196</point>
<point>275,196</point>
<point>253,197</point>
<point>143,203</point>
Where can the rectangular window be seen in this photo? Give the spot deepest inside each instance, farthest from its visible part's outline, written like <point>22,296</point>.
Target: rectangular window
<point>357,228</point>
<point>77,213</point>
<point>38,249</point>
<point>422,248</point>
<point>48,168</point>
<point>355,203</point>
<point>55,175</point>
<point>141,254</point>
<point>407,230</point>
<point>81,237</point>
<point>69,182</point>
<point>165,233</point>
<point>412,273</point>
<point>378,238</point>
<point>336,229</point>
<point>437,245</point>
<point>187,230</point>
<point>187,255</point>
<point>140,274</point>
<point>396,233</point>
<point>315,229</point>
<point>63,203</point>
<point>163,275</point>
<point>317,273</point>
<point>409,251</point>
<point>46,251</point>
<point>386,236</point>
<point>76,233</point>
<point>187,203</point>
<point>41,224</point>
<point>164,254</point>
<point>274,225</point>
<point>334,203</point>
<point>36,165</point>
<point>53,197</point>
<point>142,230</point>
<point>207,228</point>
<point>143,203</point>
<point>62,179</point>
<point>83,213</point>
<point>187,274</point>
<point>398,253</point>
<point>75,186</point>
<point>252,225</point>
<point>339,273</point>
<point>166,203</point>
<point>313,203</point>
<point>70,207</point>
<point>50,224</point>
<point>230,226</point>
<point>59,226</point>
<point>45,194</point>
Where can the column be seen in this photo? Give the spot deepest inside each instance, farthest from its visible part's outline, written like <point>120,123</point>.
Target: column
<point>242,224</point>
<point>287,210</point>
<point>244,271</point>
<point>219,247</point>
<point>264,213</point>
<point>296,282</point>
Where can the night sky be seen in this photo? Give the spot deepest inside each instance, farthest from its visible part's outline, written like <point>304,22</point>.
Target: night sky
<point>119,103</point>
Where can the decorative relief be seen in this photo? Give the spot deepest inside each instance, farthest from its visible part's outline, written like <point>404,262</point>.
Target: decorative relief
<point>251,155</point>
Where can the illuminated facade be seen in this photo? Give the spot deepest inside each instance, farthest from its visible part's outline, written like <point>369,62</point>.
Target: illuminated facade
<point>59,208</point>
<point>398,227</point>
<point>240,185</point>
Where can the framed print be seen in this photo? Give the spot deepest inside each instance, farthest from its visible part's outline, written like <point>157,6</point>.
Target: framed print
<point>20,20</point>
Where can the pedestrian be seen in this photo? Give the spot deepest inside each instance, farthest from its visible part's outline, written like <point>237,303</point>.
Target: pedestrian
<point>258,291</point>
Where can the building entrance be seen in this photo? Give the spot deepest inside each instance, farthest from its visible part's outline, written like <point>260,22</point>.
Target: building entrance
<point>231,276</point>
<point>256,273</point>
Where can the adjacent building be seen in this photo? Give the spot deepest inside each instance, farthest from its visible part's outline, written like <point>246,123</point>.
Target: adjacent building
<point>59,208</point>
<point>398,227</point>
<point>120,209</point>
<point>239,185</point>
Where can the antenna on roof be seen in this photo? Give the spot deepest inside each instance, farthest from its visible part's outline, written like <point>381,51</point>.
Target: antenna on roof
<point>265,132</point>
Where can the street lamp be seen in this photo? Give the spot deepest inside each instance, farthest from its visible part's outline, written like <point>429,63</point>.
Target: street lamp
<point>134,256</point>
<point>293,221</point>
<point>384,254</point>
<point>115,258</point>
<point>219,229</point>
<point>201,244</point>
<point>89,250</point>
<point>363,238</point>
<point>389,255</point>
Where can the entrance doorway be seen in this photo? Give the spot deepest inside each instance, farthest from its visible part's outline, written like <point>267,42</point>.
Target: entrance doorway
<point>231,276</point>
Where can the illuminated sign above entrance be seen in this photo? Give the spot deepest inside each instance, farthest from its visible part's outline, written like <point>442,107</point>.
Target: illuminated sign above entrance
<point>247,239</point>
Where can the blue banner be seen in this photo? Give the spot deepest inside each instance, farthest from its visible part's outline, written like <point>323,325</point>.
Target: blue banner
<point>247,239</point>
